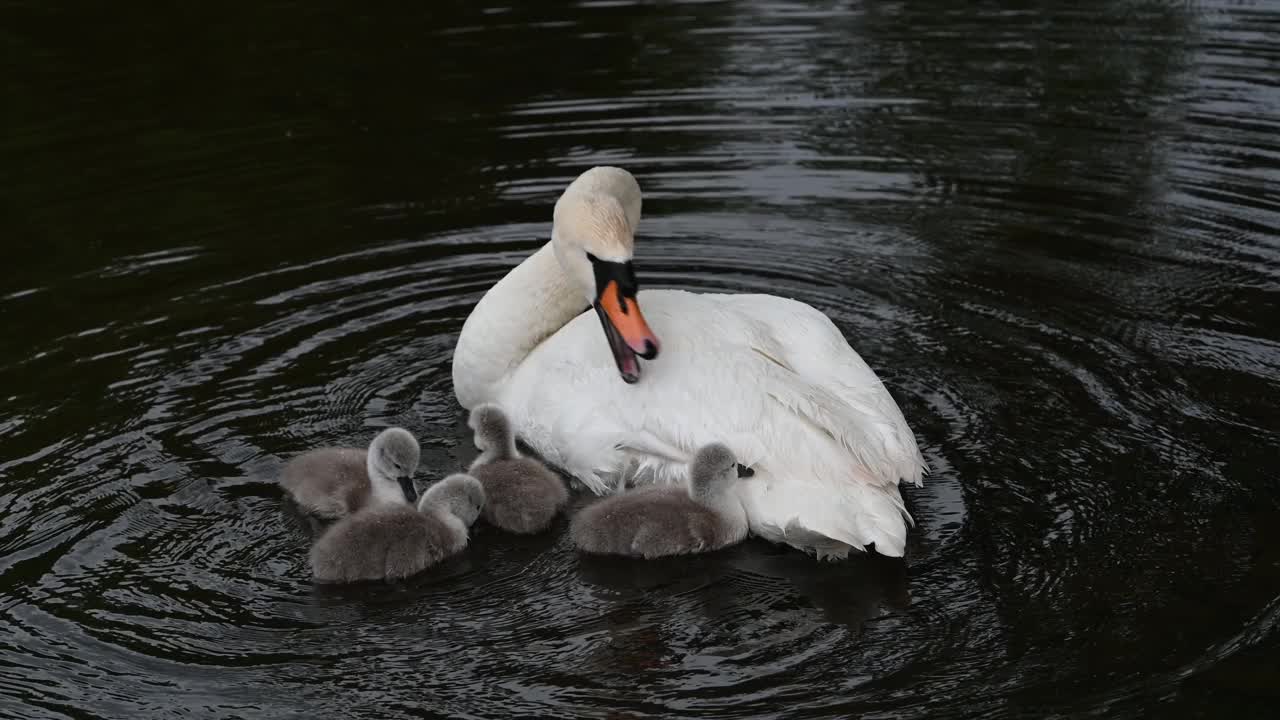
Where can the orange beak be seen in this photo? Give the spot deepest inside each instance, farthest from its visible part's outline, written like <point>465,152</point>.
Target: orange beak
<point>624,313</point>
<point>624,325</point>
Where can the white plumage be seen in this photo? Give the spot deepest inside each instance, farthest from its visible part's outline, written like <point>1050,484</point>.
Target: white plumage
<point>770,377</point>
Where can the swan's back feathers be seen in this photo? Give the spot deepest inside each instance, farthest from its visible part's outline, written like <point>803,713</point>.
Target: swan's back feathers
<point>771,378</point>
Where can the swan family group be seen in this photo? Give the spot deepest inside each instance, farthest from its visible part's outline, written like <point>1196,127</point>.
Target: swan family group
<point>750,414</point>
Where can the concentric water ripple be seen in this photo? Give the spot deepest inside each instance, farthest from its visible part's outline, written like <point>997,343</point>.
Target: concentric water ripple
<point>1052,232</point>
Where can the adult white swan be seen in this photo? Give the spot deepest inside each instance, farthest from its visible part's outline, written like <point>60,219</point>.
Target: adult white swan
<point>770,377</point>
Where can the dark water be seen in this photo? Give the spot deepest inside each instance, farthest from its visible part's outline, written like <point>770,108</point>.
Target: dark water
<point>230,235</point>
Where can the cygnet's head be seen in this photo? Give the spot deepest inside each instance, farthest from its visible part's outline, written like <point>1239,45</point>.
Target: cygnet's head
<point>713,469</point>
<point>492,430</point>
<point>393,458</point>
<point>461,495</point>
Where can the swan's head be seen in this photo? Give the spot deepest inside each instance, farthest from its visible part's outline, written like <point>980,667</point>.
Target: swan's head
<point>594,240</point>
<point>713,469</point>
<point>459,494</point>
<point>393,459</point>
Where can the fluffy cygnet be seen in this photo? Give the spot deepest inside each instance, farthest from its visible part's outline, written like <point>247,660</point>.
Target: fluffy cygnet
<point>392,542</point>
<point>521,494</point>
<point>655,521</point>
<point>334,482</point>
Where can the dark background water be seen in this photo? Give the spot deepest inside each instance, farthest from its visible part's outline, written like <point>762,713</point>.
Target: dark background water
<point>231,234</point>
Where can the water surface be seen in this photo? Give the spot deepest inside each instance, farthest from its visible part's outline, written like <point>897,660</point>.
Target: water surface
<point>234,234</point>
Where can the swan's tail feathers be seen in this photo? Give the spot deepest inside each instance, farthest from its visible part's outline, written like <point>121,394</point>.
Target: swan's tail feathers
<point>817,520</point>
<point>815,543</point>
<point>886,520</point>
<point>866,515</point>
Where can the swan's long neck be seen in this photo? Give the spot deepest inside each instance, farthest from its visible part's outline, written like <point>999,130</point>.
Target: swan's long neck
<point>524,308</point>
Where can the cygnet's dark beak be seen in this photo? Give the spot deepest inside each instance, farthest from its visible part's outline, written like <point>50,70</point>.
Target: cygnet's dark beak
<point>744,471</point>
<point>406,486</point>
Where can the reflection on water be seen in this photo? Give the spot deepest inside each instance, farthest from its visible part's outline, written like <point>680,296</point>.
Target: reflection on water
<point>234,235</point>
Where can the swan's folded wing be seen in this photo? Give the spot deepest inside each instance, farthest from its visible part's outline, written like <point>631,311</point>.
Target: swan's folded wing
<point>815,373</point>
<point>853,431</point>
